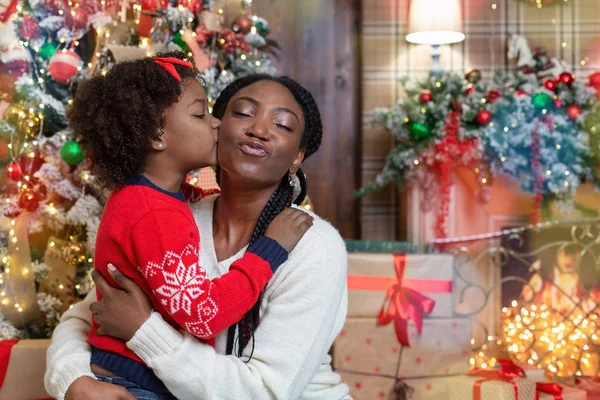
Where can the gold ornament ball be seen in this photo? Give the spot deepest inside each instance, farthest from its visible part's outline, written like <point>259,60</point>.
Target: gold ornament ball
<point>74,253</point>
<point>30,126</point>
<point>15,113</point>
<point>242,25</point>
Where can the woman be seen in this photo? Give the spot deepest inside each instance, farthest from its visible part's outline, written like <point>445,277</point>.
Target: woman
<point>269,125</point>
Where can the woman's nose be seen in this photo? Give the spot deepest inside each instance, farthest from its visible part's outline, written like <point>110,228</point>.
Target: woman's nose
<point>259,131</point>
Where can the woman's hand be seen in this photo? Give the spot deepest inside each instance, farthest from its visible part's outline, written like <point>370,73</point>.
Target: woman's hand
<point>86,388</point>
<point>121,312</point>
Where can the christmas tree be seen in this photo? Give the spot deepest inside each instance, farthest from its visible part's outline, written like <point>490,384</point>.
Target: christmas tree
<point>50,205</point>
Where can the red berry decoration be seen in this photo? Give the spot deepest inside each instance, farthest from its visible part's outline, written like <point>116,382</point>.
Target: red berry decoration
<point>426,96</point>
<point>566,78</point>
<point>13,170</point>
<point>558,103</point>
<point>574,111</point>
<point>520,93</point>
<point>484,117</point>
<point>550,84</point>
<point>493,95</point>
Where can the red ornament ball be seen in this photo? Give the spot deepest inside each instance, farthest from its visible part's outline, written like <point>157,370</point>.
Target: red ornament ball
<point>29,28</point>
<point>558,103</point>
<point>426,96</point>
<point>242,24</point>
<point>574,111</point>
<point>30,199</point>
<point>595,80</point>
<point>550,84</point>
<point>63,65</point>
<point>566,78</point>
<point>470,88</point>
<point>484,117</point>
<point>76,19</point>
<point>520,93</point>
<point>13,170</point>
<point>493,95</point>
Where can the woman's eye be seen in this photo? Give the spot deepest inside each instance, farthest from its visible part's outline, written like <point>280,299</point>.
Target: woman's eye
<point>200,116</point>
<point>285,128</point>
<point>241,114</point>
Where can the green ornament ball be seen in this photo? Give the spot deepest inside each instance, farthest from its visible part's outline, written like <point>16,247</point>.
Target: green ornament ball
<point>419,130</point>
<point>178,40</point>
<point>72,153</point>
<point>47,50</point>
<point>541,101</point>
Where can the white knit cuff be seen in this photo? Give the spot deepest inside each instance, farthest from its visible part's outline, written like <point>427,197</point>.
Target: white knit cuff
<point>154,338</point>
<point>65,379</point>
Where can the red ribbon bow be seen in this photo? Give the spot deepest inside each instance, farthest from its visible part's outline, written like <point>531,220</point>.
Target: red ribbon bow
<point>509,368</point>
<point>402,303</point>
<point>491,376</point>
<point>167,64</point>
<point>548,388</point>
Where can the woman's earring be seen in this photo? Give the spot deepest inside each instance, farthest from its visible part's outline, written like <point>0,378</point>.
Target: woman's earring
<point>292,179</point>
<point>161,131</point>
<point>160,145</point>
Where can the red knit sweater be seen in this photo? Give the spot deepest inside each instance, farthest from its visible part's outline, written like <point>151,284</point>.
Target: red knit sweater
<point>152,237</point>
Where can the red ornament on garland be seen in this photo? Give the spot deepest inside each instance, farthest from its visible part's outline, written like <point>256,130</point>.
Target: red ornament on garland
<point>76,19</point>
<point>470,89</point>
<point>484,117</point>
<point>574,111</point>
<point>63,65</point>
<point>13,170</point>
<point>30,199</point>
<point>566,78</point>
<point>558,103</point>
<point>426,96</point>
<point>493,95</point>
<point>550,84</point>
<point>595,80</point>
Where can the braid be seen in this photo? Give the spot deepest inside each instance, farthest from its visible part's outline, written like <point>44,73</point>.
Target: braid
<point>282,196</point>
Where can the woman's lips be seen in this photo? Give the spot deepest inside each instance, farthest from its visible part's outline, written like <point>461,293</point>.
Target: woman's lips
<point>253,149</point>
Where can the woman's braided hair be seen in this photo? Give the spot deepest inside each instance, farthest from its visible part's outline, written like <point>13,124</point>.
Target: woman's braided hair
<point>282,197</point>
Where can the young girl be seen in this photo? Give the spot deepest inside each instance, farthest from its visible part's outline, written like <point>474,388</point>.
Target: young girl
<point>146,126</point>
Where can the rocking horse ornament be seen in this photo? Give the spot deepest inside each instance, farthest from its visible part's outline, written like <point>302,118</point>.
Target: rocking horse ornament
<point>536,62</point>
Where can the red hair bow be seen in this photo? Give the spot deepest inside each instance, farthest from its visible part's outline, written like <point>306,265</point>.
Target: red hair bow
<point>167,64</point>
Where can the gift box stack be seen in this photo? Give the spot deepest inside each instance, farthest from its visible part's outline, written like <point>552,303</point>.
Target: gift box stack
<point>400,334</point>
<point>22,366</point>
<point>507,381</point>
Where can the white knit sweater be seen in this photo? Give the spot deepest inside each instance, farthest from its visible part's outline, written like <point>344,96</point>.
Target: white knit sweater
<point>303,310</point>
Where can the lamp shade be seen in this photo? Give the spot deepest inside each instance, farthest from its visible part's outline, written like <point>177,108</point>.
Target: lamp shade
<point>435,22</point>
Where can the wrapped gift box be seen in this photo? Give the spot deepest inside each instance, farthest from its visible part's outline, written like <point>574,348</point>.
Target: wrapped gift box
<point>370,275</point>
<point>24,379</point>
<point>462,388</point>
<point>443,348</point>
<point>365,387</point>
<point>535,374</point>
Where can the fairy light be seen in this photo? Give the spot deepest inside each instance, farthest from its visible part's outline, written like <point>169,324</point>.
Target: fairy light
<point>243,57</point>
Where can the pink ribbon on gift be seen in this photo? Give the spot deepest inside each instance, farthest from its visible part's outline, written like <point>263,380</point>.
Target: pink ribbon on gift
<point>548,388</point>
<point>403,299</point>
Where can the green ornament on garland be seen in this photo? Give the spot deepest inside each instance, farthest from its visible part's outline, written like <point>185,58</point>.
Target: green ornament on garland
<point>542,101</point>
<point>419,130</point>
<point>47,50</point>
<point>72,153</point>
<point>178,40</point>
<point>261,27</point>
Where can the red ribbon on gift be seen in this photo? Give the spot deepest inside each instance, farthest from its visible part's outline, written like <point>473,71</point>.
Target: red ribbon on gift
<point>491,376</point>
<point>5,349</point>
<point>548,388</point>
<point>403,299</point>
<point>509,368</point>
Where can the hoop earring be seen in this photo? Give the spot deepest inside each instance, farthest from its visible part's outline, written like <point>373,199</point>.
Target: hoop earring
<point>292,179</point>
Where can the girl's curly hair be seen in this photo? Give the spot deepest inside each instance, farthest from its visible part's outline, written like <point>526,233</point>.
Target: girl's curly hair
<point>120,114</point>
